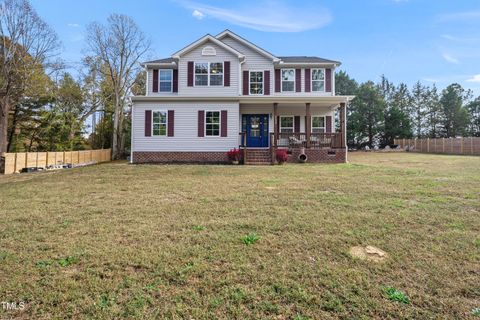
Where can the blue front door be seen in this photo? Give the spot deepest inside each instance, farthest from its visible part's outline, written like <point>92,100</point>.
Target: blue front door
<point>256,127</point>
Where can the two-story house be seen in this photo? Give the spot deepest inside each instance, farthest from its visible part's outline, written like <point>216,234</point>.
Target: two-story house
<point>225,92</point>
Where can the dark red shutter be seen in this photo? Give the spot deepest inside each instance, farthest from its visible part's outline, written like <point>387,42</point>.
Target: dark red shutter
<point>328,125</point>
<point>266,82</point>
<point>155,80</point>
<point>171,122</point>
<point>226,74</point>
<point>308,80</point>
<point>148,123</point>
<point>306,125</point>
<point>298,80</point>
<point>278,124</point>
<point>223,123</point>
<point>190,74</point>
<point>201,123</point>
<point>328,80</point>
<point>296,124</point>
<point>175,80</point>
<point>245,83</point>
<point>277,80</point>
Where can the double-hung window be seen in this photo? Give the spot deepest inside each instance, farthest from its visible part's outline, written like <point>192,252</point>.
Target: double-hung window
<point>165,80</point>
<point>212,123</point>
<point>216,73</point>
<point>318,124</point>
<point>288,80</point>
<point>286,124</point>
<point>201,74</point>
<point>256,82</point>
<point>208,74</point>
<point>318,80</point>
<point>159,123</point>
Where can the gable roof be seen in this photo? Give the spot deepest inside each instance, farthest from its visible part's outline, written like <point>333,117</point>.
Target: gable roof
<point>235,36</point>
<point>306,59</point>
<point>204,39</point>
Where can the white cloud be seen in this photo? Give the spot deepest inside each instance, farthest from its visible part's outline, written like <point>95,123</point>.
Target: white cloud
<point>266,15</point>
<point>450,59</point>
<point>460,39</point>
<point>73,25</point>
<point>198,14</point>
<point>459,16</point>
<point>475,78</point>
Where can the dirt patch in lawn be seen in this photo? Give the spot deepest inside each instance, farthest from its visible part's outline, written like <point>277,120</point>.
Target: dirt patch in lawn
<point>369,253</point>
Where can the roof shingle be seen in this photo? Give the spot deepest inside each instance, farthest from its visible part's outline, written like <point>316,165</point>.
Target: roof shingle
<point>305,59</point>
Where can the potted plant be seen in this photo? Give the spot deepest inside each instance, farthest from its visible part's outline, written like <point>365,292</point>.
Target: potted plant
<point>281,156</point>
<point>234,155</point>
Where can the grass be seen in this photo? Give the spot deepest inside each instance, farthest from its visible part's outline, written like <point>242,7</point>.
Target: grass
<point>148,242</point>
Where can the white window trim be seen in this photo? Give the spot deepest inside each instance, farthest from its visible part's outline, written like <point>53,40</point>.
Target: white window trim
<point>208,74</point>
<point>263,83</point>
<point>280,123</point>
<point>166,123</point>
<point>324,80</point>
<point>294,79</point>
<point>324,123</point>
<point>219,124</point>
<point>171,81</point>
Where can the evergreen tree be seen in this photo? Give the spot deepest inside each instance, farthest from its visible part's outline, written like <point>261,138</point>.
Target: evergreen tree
<point>456,115</point>
<point>434,113</point>
<point>418,109</point>
<point>474,112</point>
<point>367,118</point>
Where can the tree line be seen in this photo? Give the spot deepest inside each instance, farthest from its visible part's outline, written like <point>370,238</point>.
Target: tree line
<point>383,111</point>
<point>43,107</point>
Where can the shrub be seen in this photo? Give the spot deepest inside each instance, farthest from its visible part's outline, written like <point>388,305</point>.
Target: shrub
<point>234,154</point>
<point>282,155</point>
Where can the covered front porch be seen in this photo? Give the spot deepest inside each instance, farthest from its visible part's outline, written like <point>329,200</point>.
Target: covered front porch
<point>297,125</point>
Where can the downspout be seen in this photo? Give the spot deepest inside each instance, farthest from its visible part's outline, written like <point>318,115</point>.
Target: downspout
<point>240,83</point>
<point>240,77</point>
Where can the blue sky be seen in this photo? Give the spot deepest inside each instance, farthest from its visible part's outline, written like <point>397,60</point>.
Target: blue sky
<point>435,41</point>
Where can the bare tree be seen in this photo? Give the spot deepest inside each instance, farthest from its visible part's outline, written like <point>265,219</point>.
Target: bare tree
<point>27,46</point>
<point>120,45</point>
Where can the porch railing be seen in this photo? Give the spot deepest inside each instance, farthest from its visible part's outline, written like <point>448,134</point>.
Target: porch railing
<point>317,140</point>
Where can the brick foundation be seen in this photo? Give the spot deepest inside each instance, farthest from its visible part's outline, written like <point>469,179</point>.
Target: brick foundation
<point>180,157</point>
<point>319,155</point>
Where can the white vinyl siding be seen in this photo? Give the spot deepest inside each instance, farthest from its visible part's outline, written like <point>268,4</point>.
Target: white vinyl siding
<point>293,110</point>
<point>253,59</point>
<point>185,128</point>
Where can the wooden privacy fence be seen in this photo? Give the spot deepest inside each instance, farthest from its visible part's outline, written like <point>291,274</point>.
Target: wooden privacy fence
<point>15,162</point>
<point>466,146</point>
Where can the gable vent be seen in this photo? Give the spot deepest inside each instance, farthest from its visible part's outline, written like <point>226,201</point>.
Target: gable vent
<point>209,51</point>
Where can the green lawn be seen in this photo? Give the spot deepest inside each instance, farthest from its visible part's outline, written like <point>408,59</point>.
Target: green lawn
<point>244,242</point>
